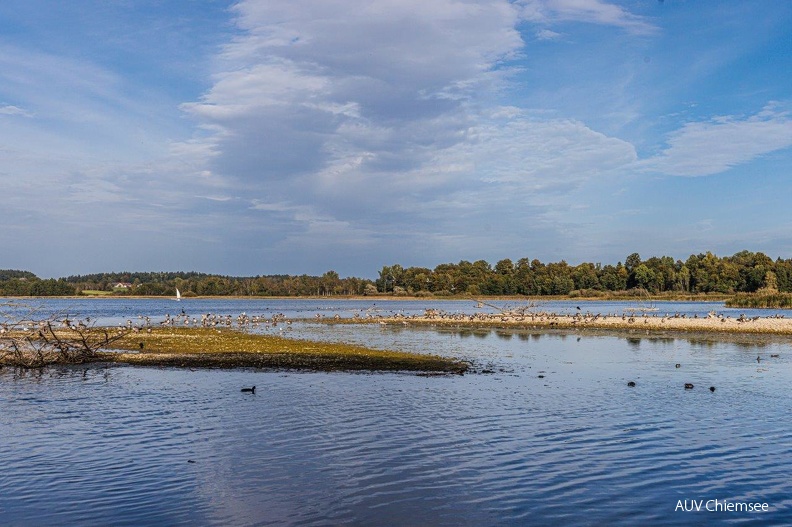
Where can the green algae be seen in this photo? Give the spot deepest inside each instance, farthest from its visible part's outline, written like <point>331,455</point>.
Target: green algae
<point>227,348</point>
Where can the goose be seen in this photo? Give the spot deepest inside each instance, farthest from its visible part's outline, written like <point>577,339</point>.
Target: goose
<point>249,390</point>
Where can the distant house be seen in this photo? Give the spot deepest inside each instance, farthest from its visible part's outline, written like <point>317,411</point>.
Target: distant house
<point>122,285</point>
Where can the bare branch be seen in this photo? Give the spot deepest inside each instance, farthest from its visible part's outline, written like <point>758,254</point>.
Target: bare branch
<point>30,342</point>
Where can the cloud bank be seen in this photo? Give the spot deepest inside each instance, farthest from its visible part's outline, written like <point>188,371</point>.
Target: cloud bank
<point>361,120</point>
<point>279,137</point>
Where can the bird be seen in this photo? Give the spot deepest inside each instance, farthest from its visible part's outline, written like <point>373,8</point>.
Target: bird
<point>250,390</point>
<point>688,386</point>
<point>677,365</point>
<point>712,388</point>
<point>631,384</point>
<point>758,358</point>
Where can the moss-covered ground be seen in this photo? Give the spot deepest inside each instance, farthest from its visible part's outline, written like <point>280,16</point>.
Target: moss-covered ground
<point>227,348</point>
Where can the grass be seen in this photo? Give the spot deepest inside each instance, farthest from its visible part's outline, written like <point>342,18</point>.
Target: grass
<point>761,300</point>
<point>203,347</point>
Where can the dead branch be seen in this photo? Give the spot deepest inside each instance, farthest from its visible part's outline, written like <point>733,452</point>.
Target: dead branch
<point>28,342</point>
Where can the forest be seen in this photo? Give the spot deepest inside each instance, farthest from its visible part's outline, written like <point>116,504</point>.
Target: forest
<point>706,273</point>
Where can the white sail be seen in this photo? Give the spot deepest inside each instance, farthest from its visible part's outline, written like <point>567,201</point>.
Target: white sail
<point>178,295</point>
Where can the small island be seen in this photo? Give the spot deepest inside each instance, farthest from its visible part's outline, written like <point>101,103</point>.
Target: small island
<point>230,348</point>
<point>29,344</point>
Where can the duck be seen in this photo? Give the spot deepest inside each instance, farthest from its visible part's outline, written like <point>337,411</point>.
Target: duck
<point>712,388</point>
<point>688,386</point>
<point>677,365</point>
<point>631,384</point>
<point>249,390</point>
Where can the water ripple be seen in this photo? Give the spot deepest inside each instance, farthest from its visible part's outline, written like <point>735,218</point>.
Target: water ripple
<point>132,446</point>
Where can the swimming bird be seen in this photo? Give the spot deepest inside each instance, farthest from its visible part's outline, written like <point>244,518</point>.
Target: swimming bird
<point>631,384</point>
<point>677,365</point>
<point>688,386</point>
<point>250,390</point>
<point>712,388</point>
<point>758,358</point>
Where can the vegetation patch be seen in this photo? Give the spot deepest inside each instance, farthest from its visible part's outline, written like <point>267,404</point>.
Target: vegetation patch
<point>95,292</point>
<point>204,347</point>
<point>761,299</point>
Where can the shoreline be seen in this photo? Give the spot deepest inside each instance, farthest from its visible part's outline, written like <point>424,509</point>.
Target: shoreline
<point>703,298</point>
<point>633,324</point>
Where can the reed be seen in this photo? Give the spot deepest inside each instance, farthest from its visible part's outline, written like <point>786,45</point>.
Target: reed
<point>761,300</point>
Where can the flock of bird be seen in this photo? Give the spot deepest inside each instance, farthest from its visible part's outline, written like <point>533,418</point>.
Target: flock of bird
<point>209,320</point>
<point>245,321</point>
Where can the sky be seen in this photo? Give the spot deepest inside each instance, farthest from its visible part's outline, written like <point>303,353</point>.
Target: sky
<point>261,137</point>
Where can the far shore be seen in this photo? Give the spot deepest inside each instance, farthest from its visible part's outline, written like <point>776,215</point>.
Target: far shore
<point>390,298</point>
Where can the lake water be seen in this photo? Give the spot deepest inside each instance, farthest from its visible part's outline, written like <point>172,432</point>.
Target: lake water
<point>553,437</point>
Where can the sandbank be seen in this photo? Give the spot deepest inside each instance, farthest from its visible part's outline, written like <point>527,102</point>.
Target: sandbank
<point>773,325</point>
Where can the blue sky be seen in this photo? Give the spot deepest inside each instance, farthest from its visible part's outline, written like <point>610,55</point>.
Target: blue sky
<point>273,136</point>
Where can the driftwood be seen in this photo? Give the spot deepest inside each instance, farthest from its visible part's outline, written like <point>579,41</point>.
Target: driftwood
<point>508,310</point>
<point>31,342</point>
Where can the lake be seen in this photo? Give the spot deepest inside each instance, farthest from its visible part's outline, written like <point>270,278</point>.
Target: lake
<point>552,436</point>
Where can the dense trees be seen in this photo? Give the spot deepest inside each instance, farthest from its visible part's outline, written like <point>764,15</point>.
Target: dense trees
<point>703,273</point>
<point>743,272</point>
<point>201,284</point>
<point>24,283</point>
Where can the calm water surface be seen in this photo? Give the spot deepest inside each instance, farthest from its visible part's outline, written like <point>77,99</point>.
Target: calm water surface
<point>577,446</point>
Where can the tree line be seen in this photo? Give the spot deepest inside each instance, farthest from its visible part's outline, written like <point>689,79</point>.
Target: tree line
<point>744,272</point>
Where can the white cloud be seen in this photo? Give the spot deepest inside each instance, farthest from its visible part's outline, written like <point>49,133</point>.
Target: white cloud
<point>546,34</point>
<point>543,153</point>
<point>14,110</point>
<point>303,94</point>
<point>359,122</point>
<point>714,146</point>
<point>299,98</point>
<point>590,11</point>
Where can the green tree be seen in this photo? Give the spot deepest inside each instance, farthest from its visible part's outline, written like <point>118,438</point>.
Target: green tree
<point>632,261</point>
<point>645,278</point>
<point>585,276</point>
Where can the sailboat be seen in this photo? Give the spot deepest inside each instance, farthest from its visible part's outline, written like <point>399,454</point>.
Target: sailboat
<point>178,295</point>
